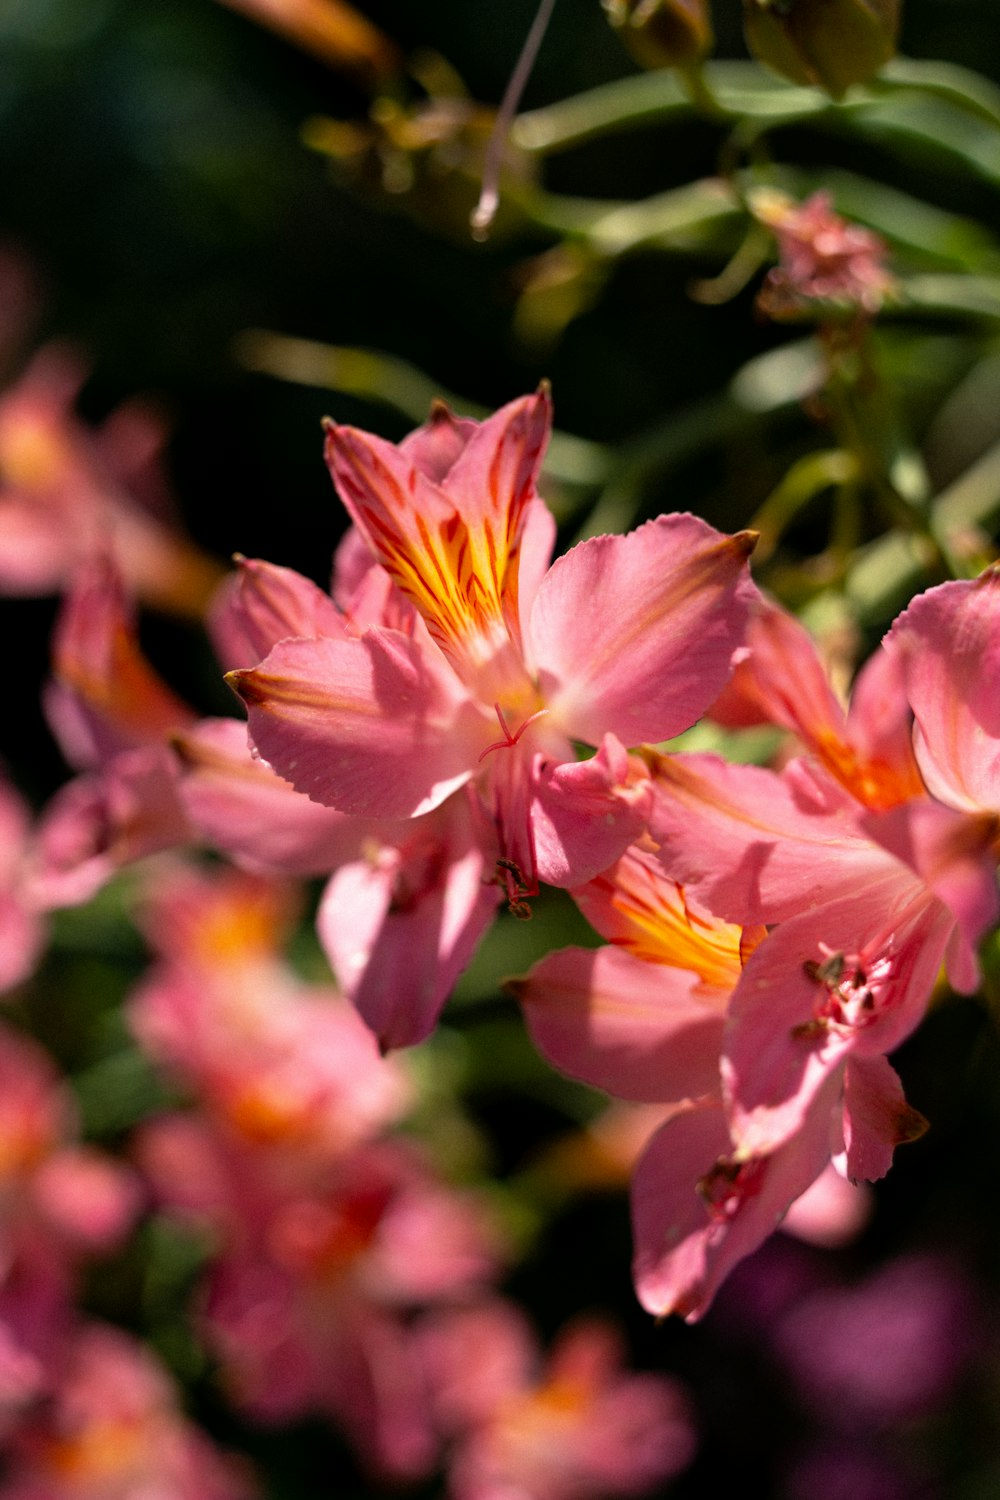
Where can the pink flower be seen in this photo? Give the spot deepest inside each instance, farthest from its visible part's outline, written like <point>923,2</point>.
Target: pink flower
<point>284,1064</point>
<point>823,259</point>
<point>575,1427</point>
<point>113,1430</point>
<point>112,715</point>
<point>69,492</point>
<point>647,1019</point>
<point>502,665</point>
<point>307,1300</point>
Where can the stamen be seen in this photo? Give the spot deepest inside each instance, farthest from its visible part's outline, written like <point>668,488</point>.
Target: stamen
<point>511,877</point>
<point>489,198</point>
<point>509,740</point>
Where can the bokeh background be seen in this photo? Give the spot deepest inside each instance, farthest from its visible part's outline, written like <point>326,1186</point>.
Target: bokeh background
<point>154,175</point>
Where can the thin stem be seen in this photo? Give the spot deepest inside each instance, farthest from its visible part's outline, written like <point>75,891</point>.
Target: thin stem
<point>489,198</point>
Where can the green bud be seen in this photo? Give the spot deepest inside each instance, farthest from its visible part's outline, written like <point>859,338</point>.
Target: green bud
<point>663,33</point>
<point>832,43</point>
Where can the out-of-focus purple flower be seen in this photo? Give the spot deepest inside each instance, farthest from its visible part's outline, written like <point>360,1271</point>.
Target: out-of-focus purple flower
<point>884,1351</point>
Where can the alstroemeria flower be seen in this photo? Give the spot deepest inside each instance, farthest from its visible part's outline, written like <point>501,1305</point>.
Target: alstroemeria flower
<point>579,1427</point>
<point>308,1300</point>
<point>111,714</point>
<point>281,1063</point>
<point>69,492</point>
<point>113,1429</point>
<point>624,639</point>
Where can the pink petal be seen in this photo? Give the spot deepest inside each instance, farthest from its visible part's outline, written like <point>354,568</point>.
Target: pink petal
<point>799,1011</point>
<point>494,475</point>
<point>452,547</point>
<point>377,727</point>
<point>955,854</point>
<point>880,724</point>
<point>400,926</point>
<point>96,824</point>
<point>638,1030</point>
<point>538,539</point>
<point>22,937</point>
<point>784,675</point>
<point>831,1213</point>
<point>263,604</point>
<point>877,1117</point>
<point>98,663</point>
<point>634,905</point>
<point>753,846</point>
<point>88,1197</point>
<point>634,635</point>
<point>436,446</point>
<point>696,1211</point>
<point>584,814</point>
<point>775,1063</point>
<point>949,639</point>
<point>244,809</point>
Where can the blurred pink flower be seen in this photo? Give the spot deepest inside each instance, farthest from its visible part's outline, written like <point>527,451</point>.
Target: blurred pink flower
<point>112,1429</point>
<point>112,716</point>
<point>49,1185</point>
<point>824,259</point>
<point>578,1425</point>
<point>887,1350</point>
<point>281,1063</point>
<point>60,1203</point>
<point>308,1297</point>
<point>68,492</point>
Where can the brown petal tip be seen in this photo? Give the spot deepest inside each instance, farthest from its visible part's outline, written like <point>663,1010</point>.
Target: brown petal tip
<point>245,686</point>
<point>743,542</point>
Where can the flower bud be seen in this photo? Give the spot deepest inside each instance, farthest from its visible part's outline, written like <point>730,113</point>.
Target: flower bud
<point>833,43</point>
<point>663,33</point>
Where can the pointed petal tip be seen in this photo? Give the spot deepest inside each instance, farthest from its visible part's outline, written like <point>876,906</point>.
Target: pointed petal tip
<point>744,542</point>
<point>243,685</point>
<point>910,1125</point>
<point>440,412</point>
<point>183,748</point>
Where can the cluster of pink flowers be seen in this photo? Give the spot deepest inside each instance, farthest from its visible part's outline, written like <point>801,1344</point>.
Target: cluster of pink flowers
<point>774,934</point>
<point>456,724</point>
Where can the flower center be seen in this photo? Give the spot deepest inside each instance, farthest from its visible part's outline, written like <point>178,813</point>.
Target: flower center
<point>850,995</point>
